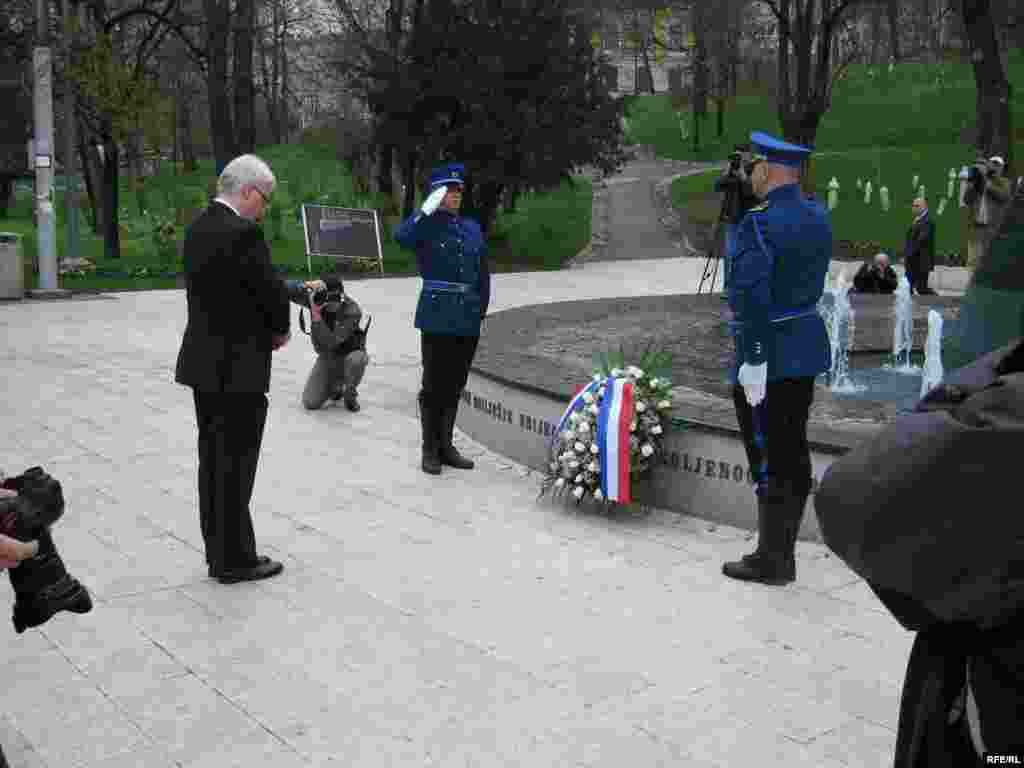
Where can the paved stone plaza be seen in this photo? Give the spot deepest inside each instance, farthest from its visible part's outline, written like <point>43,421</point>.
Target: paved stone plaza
<point>452,621</point>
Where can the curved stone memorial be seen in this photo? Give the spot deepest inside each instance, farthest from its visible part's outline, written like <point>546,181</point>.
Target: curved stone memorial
<point>531,360</point>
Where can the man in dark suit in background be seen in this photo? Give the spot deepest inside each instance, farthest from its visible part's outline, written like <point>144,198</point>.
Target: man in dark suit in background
<point>919,251</point>
<point>238,313</point>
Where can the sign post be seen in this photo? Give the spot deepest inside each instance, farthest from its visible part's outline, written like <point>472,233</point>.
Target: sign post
<point>342,234</point>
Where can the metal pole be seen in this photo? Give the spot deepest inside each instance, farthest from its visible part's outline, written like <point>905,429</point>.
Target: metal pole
<point>46,218</point>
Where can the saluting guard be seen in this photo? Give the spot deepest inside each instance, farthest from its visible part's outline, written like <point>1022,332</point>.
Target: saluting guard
<point>783,250</point>
<point>451,257</point>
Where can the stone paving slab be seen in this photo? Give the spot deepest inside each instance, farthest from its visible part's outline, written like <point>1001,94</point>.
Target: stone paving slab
<point>452,621</point>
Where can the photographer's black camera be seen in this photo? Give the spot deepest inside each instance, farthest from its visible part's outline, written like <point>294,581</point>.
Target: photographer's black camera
<point>734,161</point>
<point>326,297</point>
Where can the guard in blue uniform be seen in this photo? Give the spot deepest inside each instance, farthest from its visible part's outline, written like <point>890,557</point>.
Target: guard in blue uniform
<point>782,254</point>
<point>451,257</point>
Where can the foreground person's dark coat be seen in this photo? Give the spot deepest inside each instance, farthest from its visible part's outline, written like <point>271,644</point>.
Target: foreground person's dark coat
<point>929,514</point>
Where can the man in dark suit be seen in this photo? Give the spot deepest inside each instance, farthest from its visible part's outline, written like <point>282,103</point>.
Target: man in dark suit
<point>238,313</point>
<point>919,251</point>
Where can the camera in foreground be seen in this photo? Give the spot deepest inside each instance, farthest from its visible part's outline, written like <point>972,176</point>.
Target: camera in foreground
<point>42,586</point>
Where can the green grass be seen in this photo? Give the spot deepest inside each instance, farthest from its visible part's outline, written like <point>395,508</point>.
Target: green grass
<point>886,129</point>
<point>545,231</point>
<point>916,104</point>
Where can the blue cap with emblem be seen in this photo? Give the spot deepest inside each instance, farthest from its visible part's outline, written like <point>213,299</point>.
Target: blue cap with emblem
<point>778,151</point>
<point>452,173</point>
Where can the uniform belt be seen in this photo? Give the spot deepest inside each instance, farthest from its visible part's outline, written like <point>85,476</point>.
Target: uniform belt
<point>444,285</point>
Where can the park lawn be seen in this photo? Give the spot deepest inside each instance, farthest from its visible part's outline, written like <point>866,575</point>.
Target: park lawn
<point>544,232</point>
<point>914,105</point>
<point>867,227</point>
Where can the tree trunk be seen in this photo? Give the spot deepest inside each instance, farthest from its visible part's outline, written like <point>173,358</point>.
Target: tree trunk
<point>876,34</point>
<point>893,9</point>
<point>244,91</point>
<point>6,195</point>
<point>993,89</point>
<point>111,230</point>
<point>409,179</point>
<point>222,130</point>
<point>92,174</point>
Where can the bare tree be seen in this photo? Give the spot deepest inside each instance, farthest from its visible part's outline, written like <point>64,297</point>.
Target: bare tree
<point>992,87</point>
<point>807,69</point>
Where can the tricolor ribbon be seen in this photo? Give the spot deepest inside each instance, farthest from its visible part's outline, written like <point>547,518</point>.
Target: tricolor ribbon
<point>575,404</point>
<point>613,420</point>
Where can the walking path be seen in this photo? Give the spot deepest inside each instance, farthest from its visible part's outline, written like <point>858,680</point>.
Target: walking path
<point>420,621</point>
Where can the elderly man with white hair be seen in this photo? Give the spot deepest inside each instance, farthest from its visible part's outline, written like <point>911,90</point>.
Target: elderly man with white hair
<point>238,314</point>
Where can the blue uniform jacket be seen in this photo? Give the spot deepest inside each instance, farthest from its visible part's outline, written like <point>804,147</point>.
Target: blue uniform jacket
<point>783,248</point>
<point>451,259</point>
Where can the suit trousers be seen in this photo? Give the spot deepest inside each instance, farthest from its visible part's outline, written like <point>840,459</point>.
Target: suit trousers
<point>783,418</point>
<point>446,362</point>
<point>230,435</point>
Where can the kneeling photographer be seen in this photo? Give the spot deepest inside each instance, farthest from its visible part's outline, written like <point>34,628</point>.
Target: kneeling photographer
<point>339,341</point>
<point>738,198</point>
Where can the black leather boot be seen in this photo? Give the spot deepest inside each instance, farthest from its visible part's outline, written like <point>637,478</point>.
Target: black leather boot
<point>430,421</point>
<point>43,587</point>
<point>769,563</point>
<point>449,453</point>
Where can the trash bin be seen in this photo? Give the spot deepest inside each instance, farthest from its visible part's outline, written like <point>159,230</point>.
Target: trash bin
<point>12,269</point>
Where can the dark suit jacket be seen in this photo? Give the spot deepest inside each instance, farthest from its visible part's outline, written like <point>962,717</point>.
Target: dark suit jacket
<point>236,303</point>
<point>919,251</point>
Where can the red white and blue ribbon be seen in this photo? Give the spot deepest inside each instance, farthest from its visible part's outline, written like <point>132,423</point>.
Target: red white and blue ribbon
<point>613,420</point>
<point>575,404</point>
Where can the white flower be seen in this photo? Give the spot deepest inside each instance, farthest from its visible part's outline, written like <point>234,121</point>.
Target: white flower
<point>579,447</point>
<point>598,495</point>
<point>641,407</point>
<point>583,428</point>
<point>601,391</point>
<point>653,382</point>
<point>647,449</point>
<point>553,466</point>
<point>574,416</point>
<point>588,397</point>
<point>594,409</point>
<point>656,429</point>
<point>579,478</point>
<point>636,373</point>
<point>664,404</point>
<point>593,466</point>
<point>594,449</point>
<point>616,373</point>
<point>574,465</point>
<point>578,492</point>
<point>597,377</point>
<point>560,482</point>
<point>567,435</point>
<point>632,426</point>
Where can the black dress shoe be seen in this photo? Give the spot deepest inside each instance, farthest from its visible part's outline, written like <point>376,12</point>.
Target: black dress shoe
<point>262,570</point>
<point>352,403</point>
<point>214,572</point>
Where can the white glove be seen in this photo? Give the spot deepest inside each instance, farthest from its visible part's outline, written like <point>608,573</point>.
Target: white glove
<point>754,380</point>
<point>434,200</point>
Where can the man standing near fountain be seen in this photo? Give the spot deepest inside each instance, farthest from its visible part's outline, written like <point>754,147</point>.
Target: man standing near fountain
<point>783,250</point>
<point>919,250</point>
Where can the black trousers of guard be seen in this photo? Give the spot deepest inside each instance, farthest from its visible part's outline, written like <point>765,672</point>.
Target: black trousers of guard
<point>787,405</point>
<point>230,435</point>
<point>919,283</point>
<point>446,361</point>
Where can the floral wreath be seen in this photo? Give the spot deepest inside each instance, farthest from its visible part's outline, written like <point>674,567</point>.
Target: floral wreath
<point>611,432</point>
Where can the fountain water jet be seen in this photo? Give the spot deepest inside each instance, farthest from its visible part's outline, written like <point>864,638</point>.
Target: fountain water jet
<point>933,371</point>
<point>903,329</point>
<point>839,319</point>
